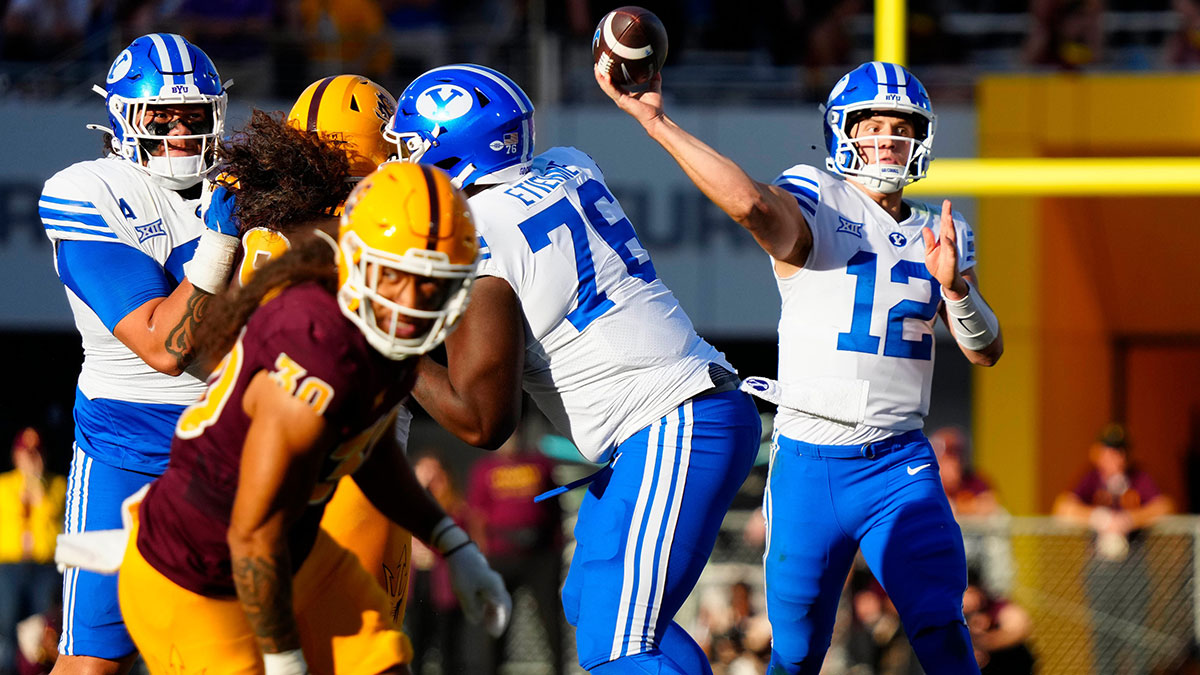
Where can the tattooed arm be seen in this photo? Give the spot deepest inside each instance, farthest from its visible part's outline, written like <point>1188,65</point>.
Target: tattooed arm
<point>278,471</point>
<point>160,330</point>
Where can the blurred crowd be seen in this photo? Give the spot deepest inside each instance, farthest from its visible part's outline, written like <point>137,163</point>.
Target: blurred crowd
<point>782,49</point>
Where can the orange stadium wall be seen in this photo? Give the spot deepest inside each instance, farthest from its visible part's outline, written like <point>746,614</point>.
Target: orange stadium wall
<point>1099,297</point>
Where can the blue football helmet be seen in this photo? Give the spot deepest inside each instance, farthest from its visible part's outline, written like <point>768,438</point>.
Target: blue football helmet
<point>163,69</point>
<point>883,87</point>
<point>469,120</point>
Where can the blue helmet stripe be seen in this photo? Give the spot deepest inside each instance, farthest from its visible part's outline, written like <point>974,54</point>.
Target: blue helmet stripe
<point>880,78</point>
<point>185,60</point>
<point>170,62</point>
<point>891,78</point>
<point>519,96</point>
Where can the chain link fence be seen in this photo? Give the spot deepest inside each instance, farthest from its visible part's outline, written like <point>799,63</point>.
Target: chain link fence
<point>1135,610</point>
<point>1128,613</point>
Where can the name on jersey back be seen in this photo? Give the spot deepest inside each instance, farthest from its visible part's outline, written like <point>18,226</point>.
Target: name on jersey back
<point>537,187</point>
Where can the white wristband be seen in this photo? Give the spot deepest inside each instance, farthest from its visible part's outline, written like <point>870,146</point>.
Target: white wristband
<point>447,537</point>
<point>973,323</point>
<point>209,268</point>
<point>285,663</point>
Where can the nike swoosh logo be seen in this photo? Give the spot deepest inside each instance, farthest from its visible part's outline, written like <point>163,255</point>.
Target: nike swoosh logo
<point>913,472</point>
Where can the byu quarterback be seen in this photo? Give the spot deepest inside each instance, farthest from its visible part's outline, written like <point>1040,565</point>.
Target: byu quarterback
<point>138,264</point>
<point>568,306</point>
<point>862,274</point>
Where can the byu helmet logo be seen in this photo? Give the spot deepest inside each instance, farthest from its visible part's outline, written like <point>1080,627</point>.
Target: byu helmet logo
<point>444,102</point>
<point>120,67</point>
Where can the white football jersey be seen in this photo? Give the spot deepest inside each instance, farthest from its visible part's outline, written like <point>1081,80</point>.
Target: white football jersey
<point>110,200</point>
<point>608,348</point>
<point>862,307</point>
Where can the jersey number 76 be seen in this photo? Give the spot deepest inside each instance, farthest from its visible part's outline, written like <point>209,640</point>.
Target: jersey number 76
<point>592,302</point>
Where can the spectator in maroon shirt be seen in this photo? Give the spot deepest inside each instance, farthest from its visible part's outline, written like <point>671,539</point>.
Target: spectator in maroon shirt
<point>1114,498</point>
<point>521,539</point>
<point>969,495</point>
<point>1117,501</point>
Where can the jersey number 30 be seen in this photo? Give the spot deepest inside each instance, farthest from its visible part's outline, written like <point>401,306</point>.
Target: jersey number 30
<point>859,339</point>
<point>592,302</point>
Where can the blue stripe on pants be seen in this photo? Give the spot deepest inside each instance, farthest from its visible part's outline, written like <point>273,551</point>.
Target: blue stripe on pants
<point>636,558</point>
<point>92,623</point>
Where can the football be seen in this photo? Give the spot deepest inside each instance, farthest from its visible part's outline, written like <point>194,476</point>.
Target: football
<point>630,44</point>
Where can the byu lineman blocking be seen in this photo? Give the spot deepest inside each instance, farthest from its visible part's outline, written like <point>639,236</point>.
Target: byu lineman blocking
<point>139,265</point>
<point>568,306</point>
<point>862,276</point>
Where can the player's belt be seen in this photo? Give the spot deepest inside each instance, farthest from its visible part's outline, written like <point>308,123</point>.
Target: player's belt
<point>866,450</point>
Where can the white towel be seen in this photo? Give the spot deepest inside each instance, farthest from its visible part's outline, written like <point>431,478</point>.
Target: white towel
<point>95,551</point>
<point>838,399</point>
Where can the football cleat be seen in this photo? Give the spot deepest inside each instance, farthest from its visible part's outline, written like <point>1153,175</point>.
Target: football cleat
<point>407,218</point>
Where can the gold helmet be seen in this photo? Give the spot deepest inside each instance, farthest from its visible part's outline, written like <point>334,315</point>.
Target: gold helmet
<point>348,108</point>
<point>407,218</point>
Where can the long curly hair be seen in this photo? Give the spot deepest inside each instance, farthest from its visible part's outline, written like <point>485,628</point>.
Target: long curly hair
<point>290,181</point>
<point>286,177</point>
<point>312,259</point>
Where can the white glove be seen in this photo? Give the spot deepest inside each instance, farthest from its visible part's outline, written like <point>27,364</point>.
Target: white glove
<point>480,590</point>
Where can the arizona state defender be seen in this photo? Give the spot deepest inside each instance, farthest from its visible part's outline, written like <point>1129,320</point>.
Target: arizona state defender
<point>227,569</point>
<point>294,173</point>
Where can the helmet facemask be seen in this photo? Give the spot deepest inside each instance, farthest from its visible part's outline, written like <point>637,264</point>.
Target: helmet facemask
<point>141,141</point>
<point>411,146</point>
<point>363,268</point>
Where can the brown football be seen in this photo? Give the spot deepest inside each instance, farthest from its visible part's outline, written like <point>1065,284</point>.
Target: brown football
<point>630,43</point>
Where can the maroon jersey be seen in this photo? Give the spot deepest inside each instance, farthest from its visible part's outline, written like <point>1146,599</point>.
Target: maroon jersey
<point>301,338</point>
<point>1131,490</point>
<point>501,492</point>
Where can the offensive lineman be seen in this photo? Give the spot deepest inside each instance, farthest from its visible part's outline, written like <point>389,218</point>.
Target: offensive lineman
<point>139,266</point>
<point>862,276</point>
<point>568,306</point>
